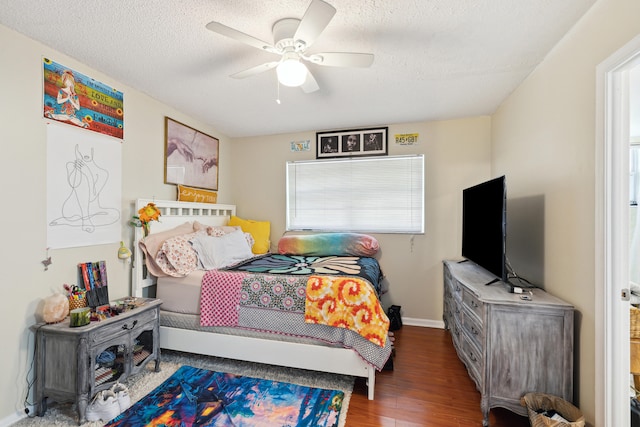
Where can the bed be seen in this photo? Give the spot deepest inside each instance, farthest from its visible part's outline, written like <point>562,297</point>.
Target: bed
<point>192,319</point>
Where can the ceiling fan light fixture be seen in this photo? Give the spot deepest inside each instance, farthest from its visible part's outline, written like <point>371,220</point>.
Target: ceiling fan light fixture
<point>291,72</point>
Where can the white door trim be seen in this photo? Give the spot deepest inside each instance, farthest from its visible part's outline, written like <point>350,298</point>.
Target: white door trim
<point>612,236</point>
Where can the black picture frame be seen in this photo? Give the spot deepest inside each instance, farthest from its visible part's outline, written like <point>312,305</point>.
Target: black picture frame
<point>352,143</point>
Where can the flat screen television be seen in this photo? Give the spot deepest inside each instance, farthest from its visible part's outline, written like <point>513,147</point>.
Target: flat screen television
<point>484,225</point>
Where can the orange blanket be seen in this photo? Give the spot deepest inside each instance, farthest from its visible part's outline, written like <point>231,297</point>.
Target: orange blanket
<point>346,302</point>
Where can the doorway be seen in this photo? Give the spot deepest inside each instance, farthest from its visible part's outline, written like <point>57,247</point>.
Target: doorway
<point>613,235</point>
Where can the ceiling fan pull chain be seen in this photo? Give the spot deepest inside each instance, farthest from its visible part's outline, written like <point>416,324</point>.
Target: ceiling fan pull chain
<point>278,91</point>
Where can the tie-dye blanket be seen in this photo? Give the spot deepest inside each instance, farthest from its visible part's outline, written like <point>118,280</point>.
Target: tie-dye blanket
<point>346,302</point>
<point>323,244</point>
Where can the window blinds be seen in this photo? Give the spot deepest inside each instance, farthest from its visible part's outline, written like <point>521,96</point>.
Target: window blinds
<point>374,194</point>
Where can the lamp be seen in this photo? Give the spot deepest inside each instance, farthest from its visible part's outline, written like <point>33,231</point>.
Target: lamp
<point>291,72</point>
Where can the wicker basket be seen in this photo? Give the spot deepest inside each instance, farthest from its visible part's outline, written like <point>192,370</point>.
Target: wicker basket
<point>77,302</point>
<point>541,401</point>
<point>634,322</point>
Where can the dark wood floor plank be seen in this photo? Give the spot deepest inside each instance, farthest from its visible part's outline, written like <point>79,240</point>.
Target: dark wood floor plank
<point>428,387</point>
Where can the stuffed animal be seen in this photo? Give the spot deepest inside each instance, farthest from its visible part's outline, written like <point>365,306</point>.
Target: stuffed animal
<point>55,309</point>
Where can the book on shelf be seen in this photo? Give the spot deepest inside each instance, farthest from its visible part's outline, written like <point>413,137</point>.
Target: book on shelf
<point>92,276</point>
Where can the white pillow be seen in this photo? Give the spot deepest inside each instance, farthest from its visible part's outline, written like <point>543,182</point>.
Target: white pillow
<point>221,251</point>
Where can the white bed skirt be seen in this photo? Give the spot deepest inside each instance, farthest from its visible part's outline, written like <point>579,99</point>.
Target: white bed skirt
<point>281,353</point>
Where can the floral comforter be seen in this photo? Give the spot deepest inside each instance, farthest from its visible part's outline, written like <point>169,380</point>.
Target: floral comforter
<point>281,294</point>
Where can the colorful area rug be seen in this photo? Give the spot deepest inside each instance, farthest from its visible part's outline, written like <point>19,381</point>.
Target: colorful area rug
<point>196,396</point>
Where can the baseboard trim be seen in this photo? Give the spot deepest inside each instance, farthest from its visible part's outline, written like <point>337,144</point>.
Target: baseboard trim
<point>14,418</point>
<point>425,323</point>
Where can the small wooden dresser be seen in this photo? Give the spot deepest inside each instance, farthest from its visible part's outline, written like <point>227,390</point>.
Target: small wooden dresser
<point>72,364</point>
<point>509,346</point>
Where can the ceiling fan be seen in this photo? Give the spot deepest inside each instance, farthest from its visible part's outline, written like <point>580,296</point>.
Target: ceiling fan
<point>291,39</point>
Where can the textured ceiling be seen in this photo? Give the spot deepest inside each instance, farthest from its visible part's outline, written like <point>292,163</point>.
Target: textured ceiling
<point>434,59</point>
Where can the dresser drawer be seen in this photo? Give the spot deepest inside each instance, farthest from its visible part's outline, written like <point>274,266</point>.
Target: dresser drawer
<point>457,290</point>
<point>456,308</point>
<point>472,358</point>
<point>456,333</point>
<point>473,303</point>
<point>473,328</point>
<point>447,312</point>
<point>123,326</point>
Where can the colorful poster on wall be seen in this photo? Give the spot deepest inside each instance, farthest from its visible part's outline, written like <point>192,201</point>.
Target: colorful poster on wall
<point>73,98</point>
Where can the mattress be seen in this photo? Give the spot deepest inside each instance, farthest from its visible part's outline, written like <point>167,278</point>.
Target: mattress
<point>180,294</point>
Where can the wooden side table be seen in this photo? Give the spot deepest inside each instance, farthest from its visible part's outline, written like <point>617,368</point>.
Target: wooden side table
<point>72,364</point>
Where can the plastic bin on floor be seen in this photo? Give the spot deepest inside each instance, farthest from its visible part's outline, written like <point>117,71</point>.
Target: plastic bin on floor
<point>545,402</point>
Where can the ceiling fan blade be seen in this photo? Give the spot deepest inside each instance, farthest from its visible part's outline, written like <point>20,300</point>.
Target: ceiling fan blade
<point>314,21</point>
<point>219,28</point>
<point>341,59</point>
<point>310,84</point>
<point>255,70</point>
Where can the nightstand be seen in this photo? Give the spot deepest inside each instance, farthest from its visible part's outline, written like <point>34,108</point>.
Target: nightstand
<point>72,364</point>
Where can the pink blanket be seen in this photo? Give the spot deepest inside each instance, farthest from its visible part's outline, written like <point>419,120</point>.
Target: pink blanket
<point>220,298</point>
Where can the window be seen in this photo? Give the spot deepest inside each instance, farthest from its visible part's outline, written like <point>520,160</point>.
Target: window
<point>373,194</point>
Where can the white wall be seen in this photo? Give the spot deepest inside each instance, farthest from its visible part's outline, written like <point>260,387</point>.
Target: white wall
<point>22,215</point>
<point>457,154</point>
<point>544,140</point>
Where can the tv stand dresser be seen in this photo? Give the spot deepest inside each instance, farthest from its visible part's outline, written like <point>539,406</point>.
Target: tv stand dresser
<point>509,346</point>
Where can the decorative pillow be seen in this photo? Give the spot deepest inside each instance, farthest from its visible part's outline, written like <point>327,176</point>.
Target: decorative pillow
<point>191,194</point>
<point>176,257</point>
<point>325,244</point>
<point>214,230</point>
<point>221,251</point>
<point>260,230</point>
<point>151,244</point>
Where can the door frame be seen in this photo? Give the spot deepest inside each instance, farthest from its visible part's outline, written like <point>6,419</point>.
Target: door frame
<point>612,236</point>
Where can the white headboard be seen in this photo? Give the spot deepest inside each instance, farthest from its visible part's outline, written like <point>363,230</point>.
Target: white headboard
<point>172,214</point>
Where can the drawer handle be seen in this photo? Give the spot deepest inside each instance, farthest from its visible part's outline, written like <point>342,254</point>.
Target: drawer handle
<point>473,331</point>
<point>474,305</point>
<point>472,357</point>
<point>125,327</point>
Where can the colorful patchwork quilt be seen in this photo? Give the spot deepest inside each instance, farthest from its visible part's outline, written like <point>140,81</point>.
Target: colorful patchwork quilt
<point>305,294</point>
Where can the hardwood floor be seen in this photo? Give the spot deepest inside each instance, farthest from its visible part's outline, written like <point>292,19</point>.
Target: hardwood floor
<point>429,387</point>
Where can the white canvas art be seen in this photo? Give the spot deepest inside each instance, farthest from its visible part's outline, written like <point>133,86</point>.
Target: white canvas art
<point>84,188</point>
